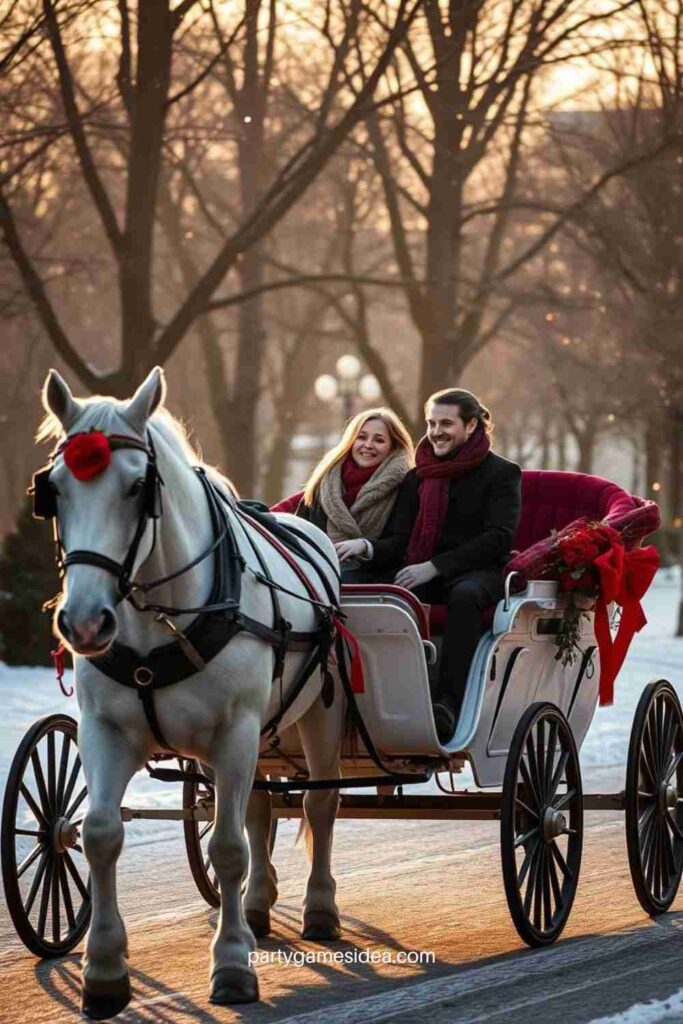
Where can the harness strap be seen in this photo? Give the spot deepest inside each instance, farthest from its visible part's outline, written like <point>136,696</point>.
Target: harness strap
<point>146,695</point>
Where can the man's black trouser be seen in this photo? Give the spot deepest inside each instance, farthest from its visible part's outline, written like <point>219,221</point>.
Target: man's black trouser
<point>466,597</point>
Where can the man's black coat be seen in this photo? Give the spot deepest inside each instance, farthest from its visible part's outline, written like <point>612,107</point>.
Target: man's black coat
<point>481,518</point>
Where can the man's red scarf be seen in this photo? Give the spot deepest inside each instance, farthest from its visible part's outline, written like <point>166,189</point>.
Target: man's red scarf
<point>435,476</point>
<point>353,478</point>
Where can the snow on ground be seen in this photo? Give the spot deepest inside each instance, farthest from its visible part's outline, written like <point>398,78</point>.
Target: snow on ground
<point>29,693</point>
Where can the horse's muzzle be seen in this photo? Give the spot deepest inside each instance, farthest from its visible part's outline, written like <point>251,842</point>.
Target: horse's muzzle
<point>88,635</point>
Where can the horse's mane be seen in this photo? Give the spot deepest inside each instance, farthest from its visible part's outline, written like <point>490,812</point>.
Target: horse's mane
<point>101,413</point>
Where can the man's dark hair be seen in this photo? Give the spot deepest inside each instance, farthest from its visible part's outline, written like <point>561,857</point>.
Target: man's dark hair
<point>469,406</point>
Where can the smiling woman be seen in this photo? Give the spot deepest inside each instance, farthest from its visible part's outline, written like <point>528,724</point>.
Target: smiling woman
<point>352,492</point>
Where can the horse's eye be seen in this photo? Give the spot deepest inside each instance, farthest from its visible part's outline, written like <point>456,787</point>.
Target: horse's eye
<point>136,488</point>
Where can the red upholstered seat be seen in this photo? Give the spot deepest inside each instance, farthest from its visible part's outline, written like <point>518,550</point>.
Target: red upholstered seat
<point>551,500</point>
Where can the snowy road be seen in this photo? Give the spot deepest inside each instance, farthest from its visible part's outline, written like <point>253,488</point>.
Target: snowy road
<point>426,886</point>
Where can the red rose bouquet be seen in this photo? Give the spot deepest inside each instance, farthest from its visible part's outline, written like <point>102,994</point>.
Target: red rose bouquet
<point>572,563</point>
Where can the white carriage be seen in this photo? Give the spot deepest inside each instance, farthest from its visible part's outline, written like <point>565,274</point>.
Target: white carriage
<point>522,723</point>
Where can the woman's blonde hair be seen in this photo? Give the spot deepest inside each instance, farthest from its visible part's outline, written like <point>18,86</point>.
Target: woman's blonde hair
<point>398,435</point>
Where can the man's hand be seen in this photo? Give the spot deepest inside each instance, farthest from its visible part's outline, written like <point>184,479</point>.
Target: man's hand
<point>415,575</point>
<point>348,548</point>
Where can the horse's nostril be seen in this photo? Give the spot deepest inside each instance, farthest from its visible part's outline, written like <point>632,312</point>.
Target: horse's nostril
<point>108,622</point>
<point>63,624</point>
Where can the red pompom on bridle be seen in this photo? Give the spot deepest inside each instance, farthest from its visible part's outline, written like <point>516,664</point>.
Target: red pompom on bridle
<point>87,455</point>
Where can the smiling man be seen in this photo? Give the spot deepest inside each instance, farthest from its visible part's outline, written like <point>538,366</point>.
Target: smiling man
<point>467,504</point>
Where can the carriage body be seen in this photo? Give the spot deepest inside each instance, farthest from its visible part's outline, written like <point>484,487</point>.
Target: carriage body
<point>514,666</point>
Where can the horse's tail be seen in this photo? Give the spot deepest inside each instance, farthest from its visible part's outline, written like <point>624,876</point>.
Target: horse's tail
<point>349,744</point>
<point>305,831</point>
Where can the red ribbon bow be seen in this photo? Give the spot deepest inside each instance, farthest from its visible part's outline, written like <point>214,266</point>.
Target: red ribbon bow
<point>624,578</point>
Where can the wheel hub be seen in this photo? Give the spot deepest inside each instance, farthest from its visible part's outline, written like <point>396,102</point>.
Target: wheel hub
<point>668,798</point>
<point>65,835</point>
<point>554,824</point>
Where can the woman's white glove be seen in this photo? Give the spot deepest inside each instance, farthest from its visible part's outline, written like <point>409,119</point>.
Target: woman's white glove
<point>412,576</point>
<point>351,548</point>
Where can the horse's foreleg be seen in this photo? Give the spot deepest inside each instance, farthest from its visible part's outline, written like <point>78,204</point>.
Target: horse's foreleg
<point>109,761</point>
<point>261,891</point>
<point>320,730</point>
<point>233,759</point>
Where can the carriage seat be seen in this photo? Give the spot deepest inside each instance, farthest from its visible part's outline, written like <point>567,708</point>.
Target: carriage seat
<point>550,501</point>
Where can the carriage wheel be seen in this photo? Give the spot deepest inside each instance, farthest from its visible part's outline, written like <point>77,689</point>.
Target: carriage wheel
<point>44,872</point>
<point>541,824</point>
<point>654,797</point>
<point>198,834</point>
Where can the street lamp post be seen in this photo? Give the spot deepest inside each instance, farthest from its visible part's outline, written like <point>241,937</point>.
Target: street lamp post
<point>347,383</point>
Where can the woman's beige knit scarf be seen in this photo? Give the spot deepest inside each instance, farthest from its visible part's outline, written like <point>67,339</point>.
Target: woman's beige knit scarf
<point>368,516</point>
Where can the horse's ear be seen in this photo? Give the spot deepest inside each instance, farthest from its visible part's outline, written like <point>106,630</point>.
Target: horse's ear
<point>58,400</point>
<point>148,397</point>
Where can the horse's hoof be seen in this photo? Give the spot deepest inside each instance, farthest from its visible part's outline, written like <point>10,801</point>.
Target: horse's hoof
<point>234,984</point>
<point>320,926</point>
<point>101,1000</point>
<point>259,922</point>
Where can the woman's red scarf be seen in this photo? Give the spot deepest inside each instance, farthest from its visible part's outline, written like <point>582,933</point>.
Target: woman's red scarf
<point>353,478</point>
<point>435,476</point>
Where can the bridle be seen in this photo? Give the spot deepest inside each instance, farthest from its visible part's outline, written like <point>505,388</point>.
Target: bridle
<point>45,507</point>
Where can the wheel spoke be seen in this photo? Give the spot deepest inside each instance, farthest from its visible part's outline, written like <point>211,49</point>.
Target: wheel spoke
<point>557,777</point>
<point>538,893</point>
<point>531,882</point>
<point>51,772</point>
<point>557,892</point>
<point>644,818</point>
<point>30,832</point>
<point>35,884</point>
<point>37,813</point>
<point>40,783</point>
<point>647,839</point>
<point>66,896</point>
<point>564,799</point>
<point>674,826</point>
<point>520,840</point>
<point>669,864</point>
<point>528,782</point>
<point>526,808</point>
<point>647,751</point>
<point>63,765</point>
<point>563,866</point>
<point>207,828</point>
<point>45,898</point>
<point>76,803</point>
<point>526,864</point>
<point>73,776</point>
<point>540,758</point>
<point>30,859</point>
<point>73,871</point>
<point>670,736</point>
<point>547,908</point>
<point>674,766</point>
<point>56,916</point>
<point>550,757</point>
<point>651,855</point>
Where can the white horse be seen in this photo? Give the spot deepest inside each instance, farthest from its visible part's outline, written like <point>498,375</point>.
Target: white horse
<point>214,716</point>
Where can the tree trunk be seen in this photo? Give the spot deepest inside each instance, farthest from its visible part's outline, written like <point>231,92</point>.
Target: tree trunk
<point>676,469</point>
<point>561,449</point>
<point>586,444</point>
<point>653,460</point>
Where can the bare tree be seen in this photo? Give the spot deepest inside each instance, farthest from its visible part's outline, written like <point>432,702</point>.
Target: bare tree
<point>136,99</point>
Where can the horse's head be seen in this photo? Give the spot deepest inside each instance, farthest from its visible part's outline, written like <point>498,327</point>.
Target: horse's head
<point>99,487</point>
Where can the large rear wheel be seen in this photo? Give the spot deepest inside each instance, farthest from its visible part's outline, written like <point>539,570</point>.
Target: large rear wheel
<point>654,797</point>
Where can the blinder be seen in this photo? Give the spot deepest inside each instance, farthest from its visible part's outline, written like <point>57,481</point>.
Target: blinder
<point>44,497</point>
